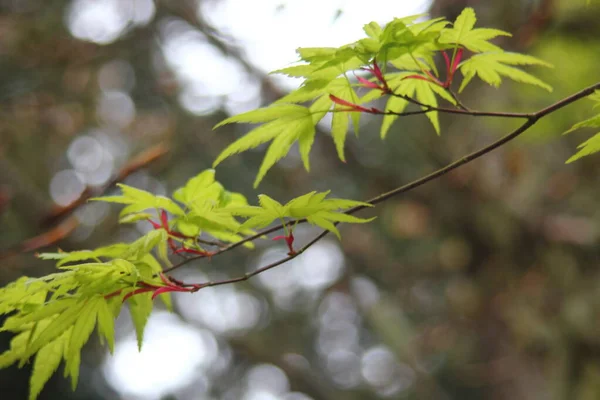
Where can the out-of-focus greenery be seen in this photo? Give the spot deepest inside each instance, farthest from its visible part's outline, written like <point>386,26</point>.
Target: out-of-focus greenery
<point>483,284</point>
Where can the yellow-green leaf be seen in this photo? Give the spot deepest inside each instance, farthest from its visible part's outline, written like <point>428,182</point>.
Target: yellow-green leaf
<point>46,363</point>
<point>590,146</point>
<point>106,323</point>
<point>140,308</point>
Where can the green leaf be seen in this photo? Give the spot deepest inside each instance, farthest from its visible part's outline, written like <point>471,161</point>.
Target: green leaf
<point>590,146</point>
<point>320,107</point>
<point>52,256</point>
<point>158,202</point>
<point>283,142</point>
<point>72,369</point>
<point>339,130</point>
<point>272,206</point>
<point>316,54</point>
<point>595,97</point>
<point>284,131</point>
<point>463,33</point>
<point>426,95</point>
<point>75,256</point>
<point>252,139</point>
<point>340,217</point>
<point>296,71</point>
<point>344,61</point>
<point>46,363</point>
<point>131,218</point>
<point>491,67</point>
<point>441,92</point>
<point>111,251</point>
<point>197,187</point>
<point>373,30</point>
<point>309,90</point>
<point>18,344</point>
<point>140,200</point>
<point>258,221</point>
<point>140,307</point>
<point>265,114</point>
<point>146,243</point>
<point>40,313</point>
<point>56,328</point>
<point>305,142</point>
<point>395,104</point>
<point>314,206</point>
<point>593,122</point>
<point>84,325</point>
<point>106,323</point>
<point>343,90</point>
<point>135,193</point>
<point>324,223</point>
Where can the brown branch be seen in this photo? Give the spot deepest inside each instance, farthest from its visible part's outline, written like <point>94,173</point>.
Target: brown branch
<point>531,120</point>
<point>260,270</point>
<point>188,11</point>
<point>462,111</point>
<point>457,100</point>
<point>62,223</point>
<point>140,161</point>
<point>57,233</point>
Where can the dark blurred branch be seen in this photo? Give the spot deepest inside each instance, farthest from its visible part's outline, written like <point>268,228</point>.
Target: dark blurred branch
<point>538,21</point>
<point>51,236</point>
<point>62,223</point>
<point>188,11</point>
<point>531,120</point>
<point>462,111</point>
<point>142,160</point>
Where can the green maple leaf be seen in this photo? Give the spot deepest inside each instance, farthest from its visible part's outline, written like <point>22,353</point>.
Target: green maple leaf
<point>592,145</point>
<point>140,307</point>
<point>140,200</point>
<point>288,124</point>
<point>111,251</point>
<point>55,315</point>
<point>106,323</point>
<point>313,206</point>
<point>339,129</point>
<point>464,34</point>
<point>18,344</point>
<point>491,67</point>
<point>424,91</point>
<point>595,97</point>
<point>200,188</point>
<point>46,363</point>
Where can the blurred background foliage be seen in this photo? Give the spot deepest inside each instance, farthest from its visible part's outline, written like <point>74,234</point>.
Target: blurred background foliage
<point>481,285</point>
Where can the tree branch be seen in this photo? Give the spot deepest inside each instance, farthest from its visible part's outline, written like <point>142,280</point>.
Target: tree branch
<point>463,110</point>
<point>531,120</point>
<point>60,223</point>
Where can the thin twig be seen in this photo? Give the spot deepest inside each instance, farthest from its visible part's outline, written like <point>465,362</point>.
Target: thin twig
<point>249,275</point>
<point>463,111</point>
<point>457,100</point>
<point>211,243</point>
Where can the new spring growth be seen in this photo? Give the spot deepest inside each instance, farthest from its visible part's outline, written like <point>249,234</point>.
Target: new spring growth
<point>172,245</point>
<point>376,72</point>
<point>170,285</point>
<point>451,67</point>
<point>289,241</point>
<point>382,86</point>
<point>354,107</point>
